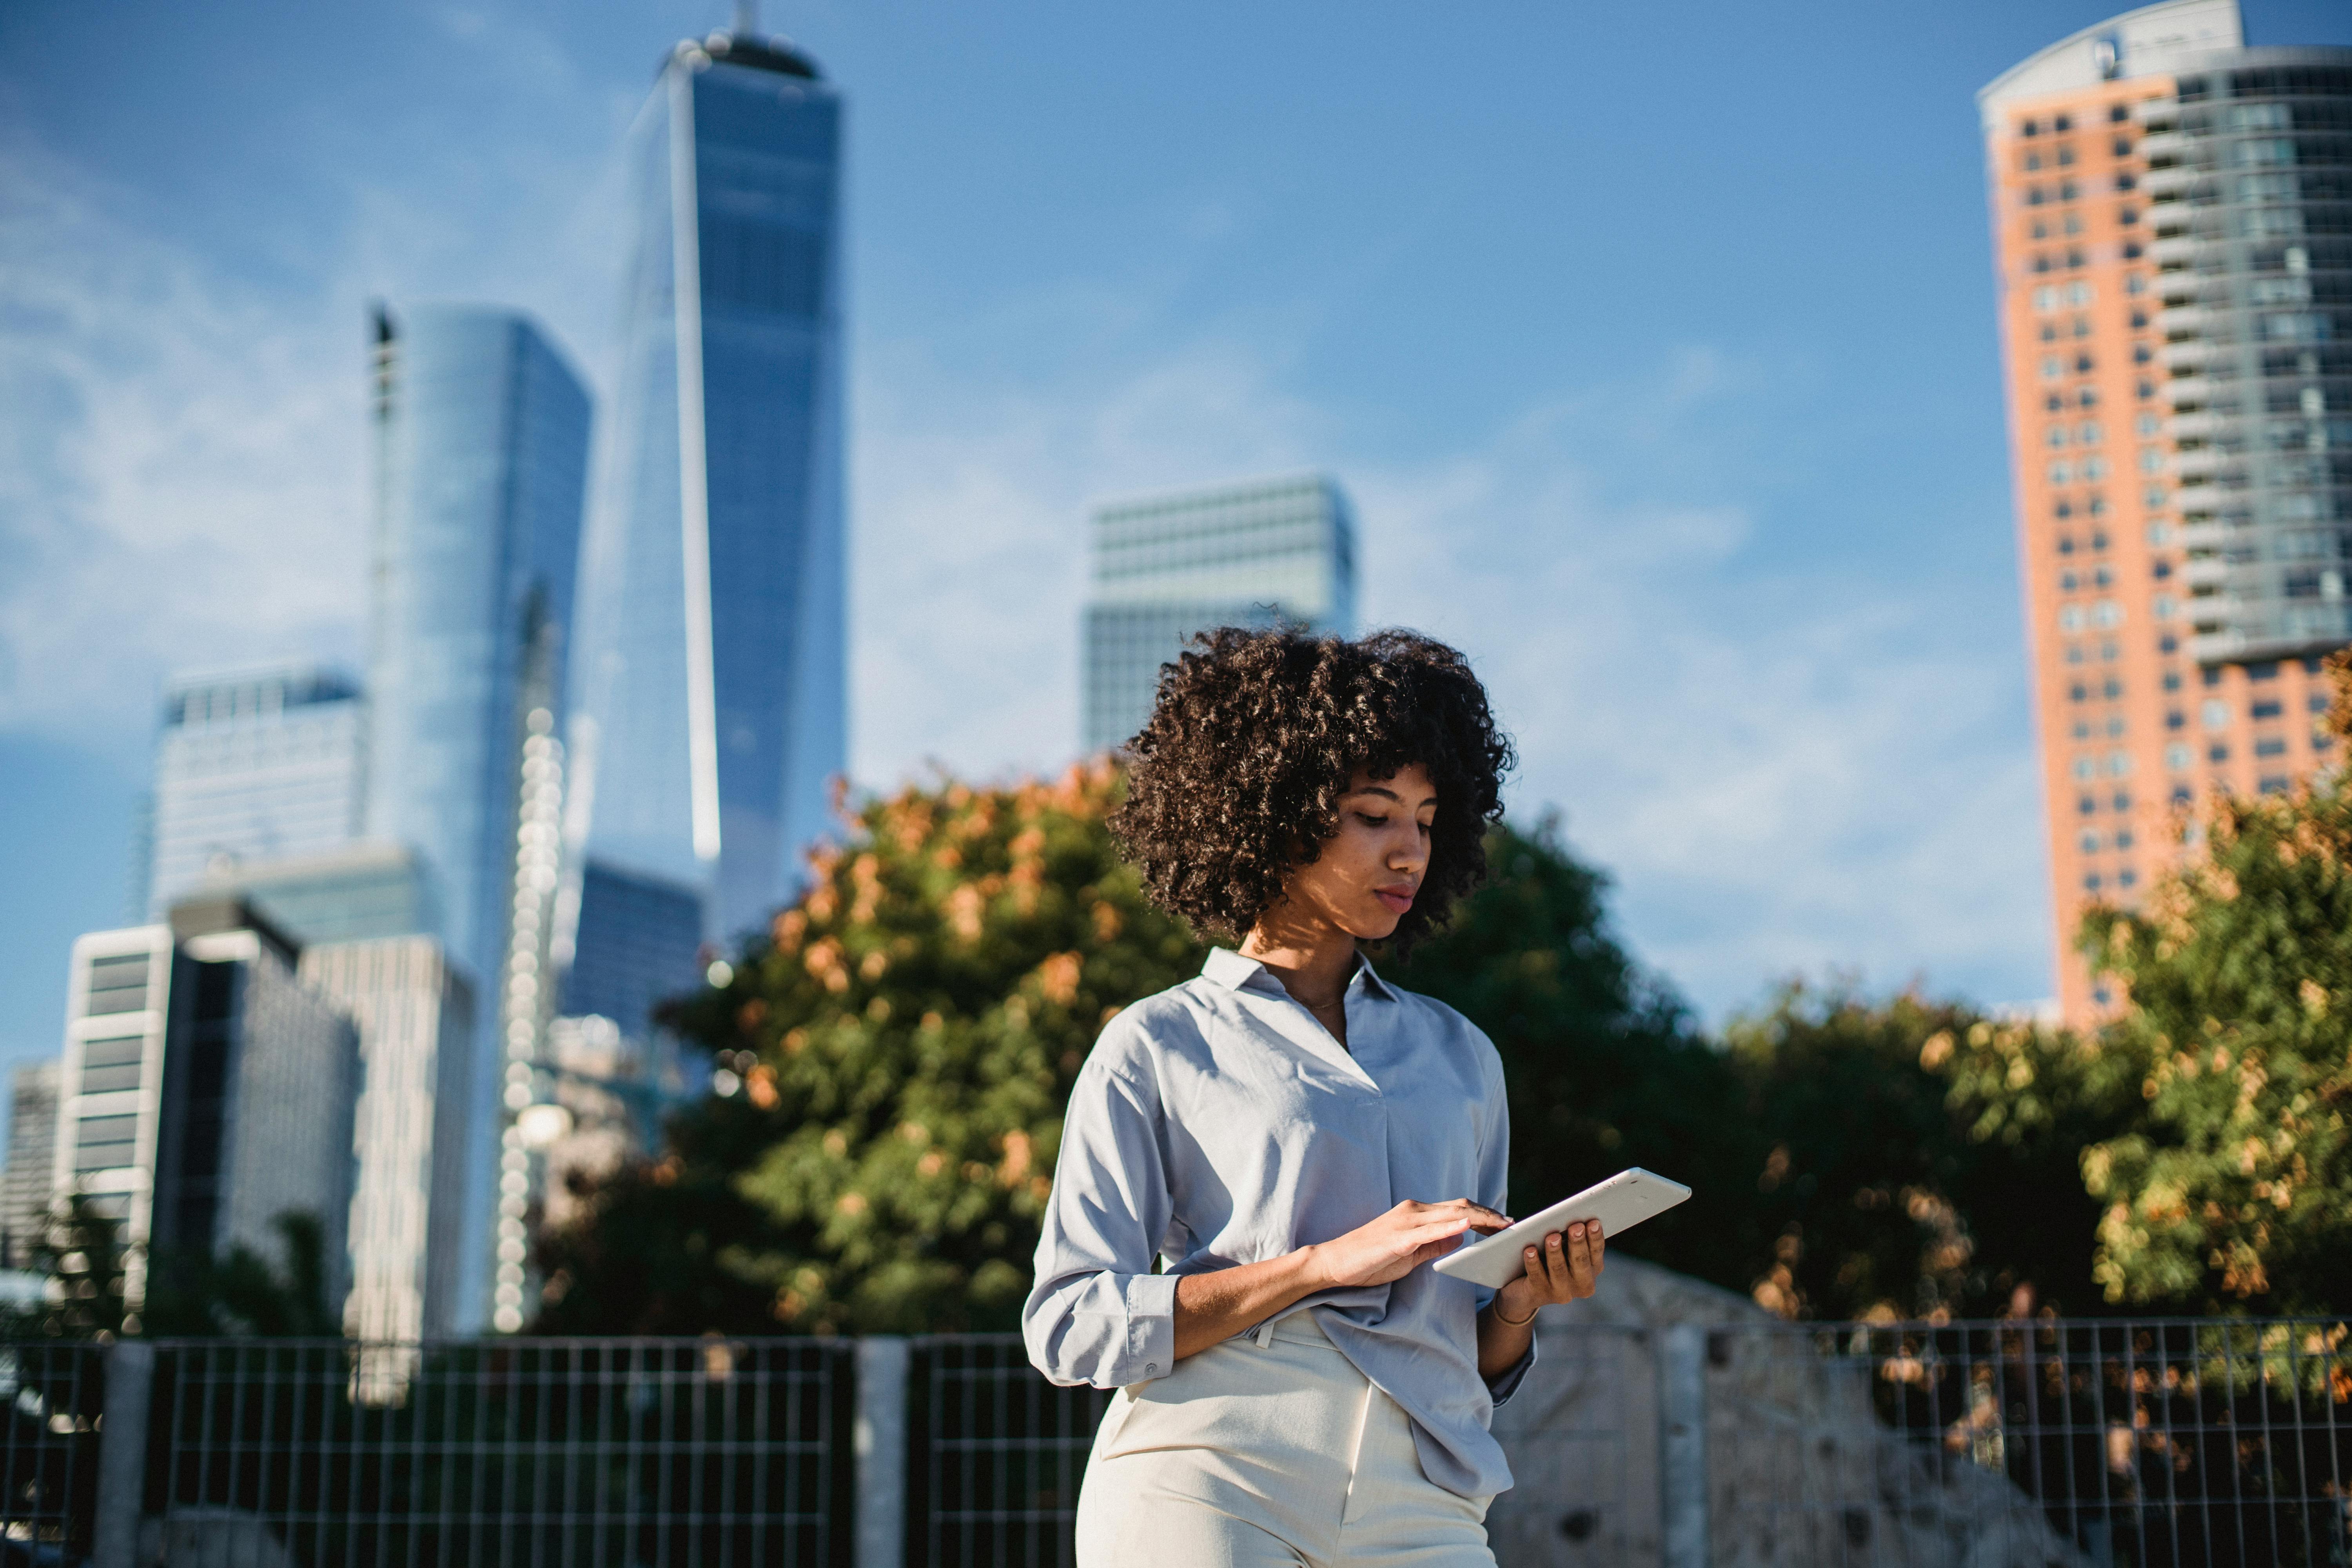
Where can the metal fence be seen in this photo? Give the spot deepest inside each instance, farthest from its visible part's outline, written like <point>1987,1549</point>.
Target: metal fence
<point>2191,1444</point>
<point>2175,1444</point>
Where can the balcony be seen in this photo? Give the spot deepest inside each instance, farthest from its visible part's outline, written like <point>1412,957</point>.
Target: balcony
<point>2179,248</point>
<point>2184,355</point>
<point>2198,427</point>
<point>2163,146</point>
<point>2181,320</point>
<point>2199,536</point>
<point>2192,467</point>
<point>2157,114</point>
<point>2188,391</point>
<point>2205,572</point>
<point>2163,182</point>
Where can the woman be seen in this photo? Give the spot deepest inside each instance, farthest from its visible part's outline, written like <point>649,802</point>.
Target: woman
<point>1294,1139</point>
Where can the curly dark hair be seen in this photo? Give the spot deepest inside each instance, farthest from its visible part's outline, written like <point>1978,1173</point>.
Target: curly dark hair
<point>1235,779</point>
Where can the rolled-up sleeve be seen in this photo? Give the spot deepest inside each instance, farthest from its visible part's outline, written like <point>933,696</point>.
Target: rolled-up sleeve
<point>1097,1314</point>
<point>1495,1192</point>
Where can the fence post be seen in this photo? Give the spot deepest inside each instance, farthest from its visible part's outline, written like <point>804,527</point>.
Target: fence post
<point>122,1453</point>
<point>880,1439</point>
<point>1682,1445</point>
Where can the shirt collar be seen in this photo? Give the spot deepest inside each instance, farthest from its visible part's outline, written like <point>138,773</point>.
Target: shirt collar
<point>1235,973</point>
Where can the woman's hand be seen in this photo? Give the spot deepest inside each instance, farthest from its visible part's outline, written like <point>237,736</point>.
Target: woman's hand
<point>1400,1241</point>
<point>1566,1268</point>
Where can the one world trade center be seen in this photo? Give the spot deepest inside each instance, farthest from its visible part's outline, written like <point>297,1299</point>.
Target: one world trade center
<point>708,666</point>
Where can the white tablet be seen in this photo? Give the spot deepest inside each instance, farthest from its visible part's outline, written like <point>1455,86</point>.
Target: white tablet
<point>1620,1203</point>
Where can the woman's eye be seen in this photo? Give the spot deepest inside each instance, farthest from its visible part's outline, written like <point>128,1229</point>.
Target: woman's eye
<point>1368,820</point>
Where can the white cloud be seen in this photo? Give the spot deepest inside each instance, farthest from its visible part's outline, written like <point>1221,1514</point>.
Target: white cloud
<point>1785,771</point>
<point>182,483</point>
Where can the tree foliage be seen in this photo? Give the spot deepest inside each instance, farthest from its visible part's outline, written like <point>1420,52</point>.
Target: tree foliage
<point>904,1040</point>
<point>2234,1191</point>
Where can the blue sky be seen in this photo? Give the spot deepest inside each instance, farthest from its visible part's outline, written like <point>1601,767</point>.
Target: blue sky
<point>1655,343</point>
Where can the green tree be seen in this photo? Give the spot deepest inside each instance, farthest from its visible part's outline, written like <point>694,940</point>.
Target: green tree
<point>904,1040</point>
<point>242,1293</point>
<point>1919,1158</point>
<point>2235,1192</point>
<point>82,1253</point>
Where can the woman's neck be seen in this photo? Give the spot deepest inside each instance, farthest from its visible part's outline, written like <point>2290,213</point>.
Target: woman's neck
<point>1313,959</point>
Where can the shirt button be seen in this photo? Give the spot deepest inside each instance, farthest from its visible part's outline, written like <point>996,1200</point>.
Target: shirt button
<point>1151,1366</point>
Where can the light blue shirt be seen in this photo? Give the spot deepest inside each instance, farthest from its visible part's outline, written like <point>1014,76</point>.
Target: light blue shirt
<point>1218,1123</point>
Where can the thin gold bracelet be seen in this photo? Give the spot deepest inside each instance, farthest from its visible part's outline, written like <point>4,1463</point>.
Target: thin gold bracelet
<point>1517,1322</point>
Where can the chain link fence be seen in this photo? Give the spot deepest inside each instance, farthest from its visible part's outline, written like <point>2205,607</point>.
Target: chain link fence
<point>2107,1443</point>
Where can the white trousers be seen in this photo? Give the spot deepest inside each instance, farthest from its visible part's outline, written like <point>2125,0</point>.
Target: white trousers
<point>1268,1451</point>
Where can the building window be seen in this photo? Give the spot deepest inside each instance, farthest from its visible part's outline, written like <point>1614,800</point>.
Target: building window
<point>2087,805</point>
<point>2082,365</point>
<point>2087,433</point>
<point>2182,795</point>
<point>2168,643</point>
<point>2166,607</point>
<point>2091,882</point>
<point>2030,128</point>
<point>2066,541</point>
<point>2119,764</point>
<point>2086,769</point>
<point>2216,753</point>
<point>2088,844</point>
<point>2131,250</point>
<point>2073,653</point>
<point>2118,113</point>
<point>2269,707</point>
<point>2217,715</point>
<point>2275,785</point>
<point>2067,582</point>
<point>2172,680</point>
<point>2127,878</point>
<point>2176,757</point>
<point>2266,670</point>
<point>2271,746</point>
<point>2174,719</point>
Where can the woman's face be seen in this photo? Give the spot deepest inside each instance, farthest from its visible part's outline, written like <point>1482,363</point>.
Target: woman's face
<point>1369,872</point>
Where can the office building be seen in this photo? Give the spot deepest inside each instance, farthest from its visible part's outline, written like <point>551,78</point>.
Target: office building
<point>710,671</point>
<point>644,950</point>
<point>25,1187</point>
<point>415,1014</point>
<point>253,764</point>
<point>361,916</point>
<point>354,893</point>
<point>204,1090</point>
<point>481,434</point>
<point>1258,553</point>
<point>2172,220</point>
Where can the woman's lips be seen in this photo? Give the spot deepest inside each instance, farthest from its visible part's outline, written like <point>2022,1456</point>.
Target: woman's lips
<point>1398,899</point>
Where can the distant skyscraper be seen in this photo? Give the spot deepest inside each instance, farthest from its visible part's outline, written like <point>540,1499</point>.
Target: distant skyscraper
<point>482,447</point>
<point>360,915</point>
<point>25,1188</point>
<point>709,668</point>
<point>1164,567</point>
<point>252,764</point>
<point>205,1089</point>
<point>415,1020</point>
<point>2172,217</point>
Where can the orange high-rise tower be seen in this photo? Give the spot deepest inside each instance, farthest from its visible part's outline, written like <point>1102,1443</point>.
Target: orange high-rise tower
<point>2172,229</point>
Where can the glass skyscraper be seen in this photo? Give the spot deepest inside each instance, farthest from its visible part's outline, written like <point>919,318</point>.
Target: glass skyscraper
<point>1258,553</point>
<point>482,449</point>
<point>709,673</point>
<point>253,764</point>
